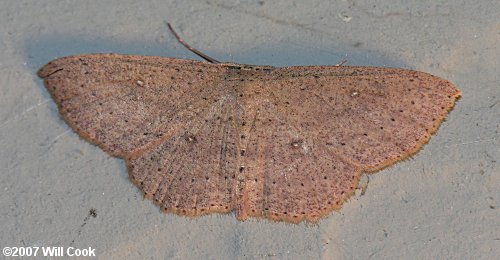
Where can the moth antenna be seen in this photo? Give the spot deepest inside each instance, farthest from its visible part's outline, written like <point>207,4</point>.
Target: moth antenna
<point>341,63</point>
<point>195,51</point>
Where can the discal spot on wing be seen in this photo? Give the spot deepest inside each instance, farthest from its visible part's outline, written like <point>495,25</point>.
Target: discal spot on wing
<point>393,113</point>
<point>189,172</point>
<point>122,103</point>
<point>286,144</point>
<point>291,177</point>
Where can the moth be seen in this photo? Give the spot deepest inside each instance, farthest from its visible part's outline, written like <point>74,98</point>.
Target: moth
<point>287,144</point>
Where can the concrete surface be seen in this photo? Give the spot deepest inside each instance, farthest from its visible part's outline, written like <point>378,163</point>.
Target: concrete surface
<point>441,204</point>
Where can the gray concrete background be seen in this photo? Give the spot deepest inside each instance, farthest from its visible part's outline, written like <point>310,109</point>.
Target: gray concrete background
<point>441,204</point>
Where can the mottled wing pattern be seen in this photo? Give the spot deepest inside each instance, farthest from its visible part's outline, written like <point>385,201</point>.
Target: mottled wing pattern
<point>124,103</point>
<point>370,116</point>
<point>172,120</point>
<point>193,172</point>
<point>282,143</point>
<point>289,175</point>
<point>319,128</point>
